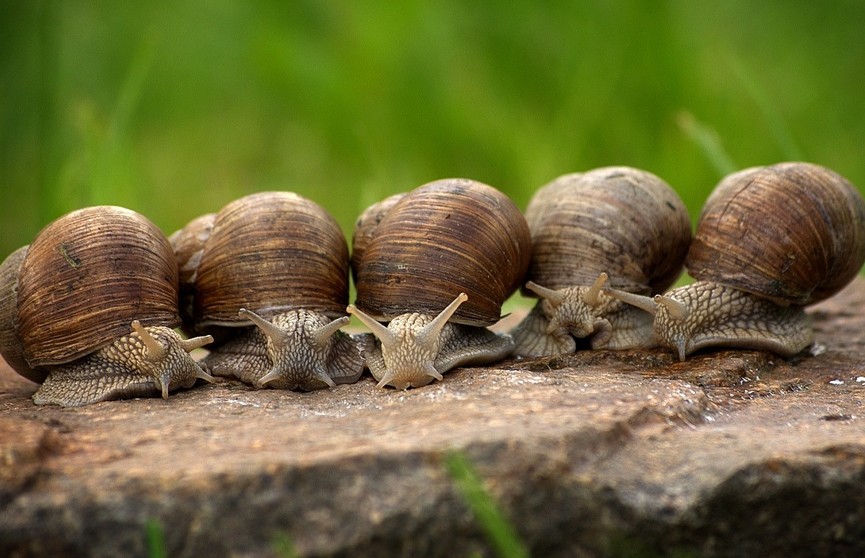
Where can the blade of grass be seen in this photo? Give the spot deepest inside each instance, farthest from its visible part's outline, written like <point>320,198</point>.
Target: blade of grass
<point>111,150</point>
<point>783,137</point>
<point>155,539</point>
<point>708,141</point>
<point>283,546</point>
<point>498,530</point>
<point>47,120</point>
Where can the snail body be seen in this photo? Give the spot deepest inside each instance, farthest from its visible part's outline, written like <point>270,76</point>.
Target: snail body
<point>268,276</point>
<point>436,266</point>
<point>616,225</point>
<point>770,241</point>
<point>88,309</point>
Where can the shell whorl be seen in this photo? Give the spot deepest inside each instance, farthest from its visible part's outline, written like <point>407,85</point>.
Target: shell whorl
<point>365,227</point>
<point>623,221</point>
<point>10,345</point>
<point>86,277</point>
<point>793,233</point>
<point>441,239</point>
<point>269,252</point>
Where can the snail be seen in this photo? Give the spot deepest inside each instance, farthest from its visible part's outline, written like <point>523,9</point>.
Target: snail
<point>436,266</point>
<point>770,241</point>
<point>618,225</point>
<point>87,310</point>
<point>268,277</point>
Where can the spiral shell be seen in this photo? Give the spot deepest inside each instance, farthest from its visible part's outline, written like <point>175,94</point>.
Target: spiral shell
<point>793,233</point>
<point>10,346</point>
<point>622,221</point>
<point>441,239</point>
<point>268,252</point>
<point>86,277</point>
<point>188,244</point>
<point>365,226</point>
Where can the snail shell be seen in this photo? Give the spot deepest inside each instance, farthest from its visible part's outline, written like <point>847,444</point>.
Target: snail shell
<point>280,262</point>
<point>188,244</point>
<point>443,238</point>
<point>437,266</point>
<point>791,233</point>
<point>621,225</point>
<point>364,228</point>
<point>770,241</point>
<point>72,297</point>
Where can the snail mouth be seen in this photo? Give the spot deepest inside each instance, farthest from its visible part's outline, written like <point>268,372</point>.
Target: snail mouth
<point>410,379</point>
<point>578,328</point>
<point>293,372</point>
<point>582,330</point>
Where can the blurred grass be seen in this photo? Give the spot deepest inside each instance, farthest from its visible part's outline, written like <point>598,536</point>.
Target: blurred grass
<point>175,109</point>
<point>500,533</point>
<point>155,539</point>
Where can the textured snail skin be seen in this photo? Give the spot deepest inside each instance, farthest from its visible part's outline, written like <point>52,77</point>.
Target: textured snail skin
<point>414,349</point>
<point>126,368</point>
<point>619,223</point>
<point>298,350</point>
<point>720,316</point>
<point>576,312</point>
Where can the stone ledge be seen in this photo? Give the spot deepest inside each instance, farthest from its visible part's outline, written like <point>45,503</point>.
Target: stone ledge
<point>729,453</point>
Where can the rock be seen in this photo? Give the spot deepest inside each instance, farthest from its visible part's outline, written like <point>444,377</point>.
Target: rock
<point>731,453</point>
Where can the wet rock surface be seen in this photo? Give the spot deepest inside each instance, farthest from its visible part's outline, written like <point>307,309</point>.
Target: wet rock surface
<point>731,453</point>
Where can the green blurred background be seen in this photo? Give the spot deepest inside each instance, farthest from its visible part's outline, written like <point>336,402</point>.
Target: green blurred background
<point>176,108</point>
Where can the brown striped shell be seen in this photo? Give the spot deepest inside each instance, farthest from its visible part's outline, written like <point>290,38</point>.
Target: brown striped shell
<point>792,232</point>
<point>188,244</point>
<point>83,280</point>
<point>10,346</point>
<point>622,221</point>
<point>268,252</point>
<point>441,239</point>
<point>364,228</point>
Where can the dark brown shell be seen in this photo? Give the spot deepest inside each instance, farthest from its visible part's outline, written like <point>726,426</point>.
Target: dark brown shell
<point>441,239</point>
<point>10,346</point>
<point>791,232</point>
<point>270,252</point>
<point>188,244</point>
<point>86,277</point>
<point>623,221</point>
<point>365,225</point>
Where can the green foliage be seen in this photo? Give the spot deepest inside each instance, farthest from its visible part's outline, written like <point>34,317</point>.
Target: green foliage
<point>283,546</point>
<point>499,532</point>
<point>174,109</point>
<point>155,539</point>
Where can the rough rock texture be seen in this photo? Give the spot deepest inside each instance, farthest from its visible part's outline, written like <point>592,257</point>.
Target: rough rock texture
<point>633,453</point>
